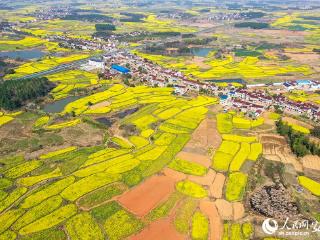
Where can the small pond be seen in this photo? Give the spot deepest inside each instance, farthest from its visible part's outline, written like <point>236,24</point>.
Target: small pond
<point>105,121</point>
<point>200,52</point>
<point>23,54</point>
<point>59,105</point>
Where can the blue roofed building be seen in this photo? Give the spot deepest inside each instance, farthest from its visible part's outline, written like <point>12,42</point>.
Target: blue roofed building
<point>303,82</point>
<point>120,69</point>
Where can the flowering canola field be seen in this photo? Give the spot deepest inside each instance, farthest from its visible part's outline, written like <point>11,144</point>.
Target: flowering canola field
<point>40,196</point>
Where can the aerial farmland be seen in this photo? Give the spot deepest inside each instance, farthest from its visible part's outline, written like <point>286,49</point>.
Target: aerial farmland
<point>144,120</point>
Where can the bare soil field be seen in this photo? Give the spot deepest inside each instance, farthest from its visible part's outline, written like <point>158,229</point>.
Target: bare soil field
<point>204,137</point>
<point>297,122</point>
<point>305,58</point>
<point>82,135</point>
<point>199,61</point>
<point>36,154</point>
<point>275,148</point>
<point>16,129</point>
<point>272,138</point>
<point>100,105</point>
<point>314,139</point>
<point>216,224</point>
<point>177,176</point>
<point>216,189</point>
<point>206,180</point>
<point>238,210</point>
<point>311,166</point>
<point>197,158</point>
<point>267,119</point>
<point>146,196</point>
<point>159,230</point>
<point>225,209</point>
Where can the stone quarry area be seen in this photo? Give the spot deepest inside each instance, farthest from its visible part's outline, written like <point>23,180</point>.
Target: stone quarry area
<point>274,201</point>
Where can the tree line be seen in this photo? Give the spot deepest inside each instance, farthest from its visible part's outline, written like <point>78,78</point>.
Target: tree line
<point>105,27</point>
<point>316,131</point>
<point>253,25</point>
<point>131,17</point>
<point>300,143</point>
<point>89,17</point>
<point>15,93</point>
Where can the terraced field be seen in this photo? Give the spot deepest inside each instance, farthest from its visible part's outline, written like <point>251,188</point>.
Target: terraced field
<point>69,81</point>
<point>47,192</point>
<point>109,189</point>
<point>7,117</point>
<point>44,64</point>
<point>211,68</point>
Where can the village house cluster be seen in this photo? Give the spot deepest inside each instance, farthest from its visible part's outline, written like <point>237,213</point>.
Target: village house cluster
<point>256,101</point>
<point>53,13</point>
<point>307,85</point>
<point>250,100</point>
<point>82,44</point>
